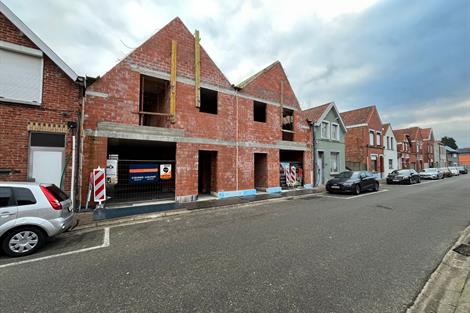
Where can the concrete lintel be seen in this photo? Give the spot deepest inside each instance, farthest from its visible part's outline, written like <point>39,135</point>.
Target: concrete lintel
<point>96,94</point>
<point>124,131</point>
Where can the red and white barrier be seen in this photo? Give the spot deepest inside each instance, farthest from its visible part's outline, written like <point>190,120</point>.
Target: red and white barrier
<point>99,185</point>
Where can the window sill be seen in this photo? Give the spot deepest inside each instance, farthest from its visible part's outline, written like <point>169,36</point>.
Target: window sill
<point>20,101</point>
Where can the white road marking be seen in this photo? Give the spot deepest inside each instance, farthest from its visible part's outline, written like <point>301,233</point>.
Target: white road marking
<point>106,243</point>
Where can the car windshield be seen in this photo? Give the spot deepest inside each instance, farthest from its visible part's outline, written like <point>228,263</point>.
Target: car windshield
<point>348,174</point>
<point>401,172</point>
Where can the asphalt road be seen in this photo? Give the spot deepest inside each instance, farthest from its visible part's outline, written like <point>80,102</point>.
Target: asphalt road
<point>371,253</point>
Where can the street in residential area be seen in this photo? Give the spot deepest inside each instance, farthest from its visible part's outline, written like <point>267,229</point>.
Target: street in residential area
<point>320,253</point>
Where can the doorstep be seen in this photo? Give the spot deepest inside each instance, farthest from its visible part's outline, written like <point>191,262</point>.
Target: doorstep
<point>132,209</point>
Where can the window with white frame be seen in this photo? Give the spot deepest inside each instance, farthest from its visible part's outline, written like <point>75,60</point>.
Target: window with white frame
<point>325,129</point>
<point>391,143</point>
<point>390,164</point>
<point>371,137</point>
<point>334,131</point>
<point>379,141</point>
<point>21,73</point>
<point>334,162</point>
<point>388,142</point>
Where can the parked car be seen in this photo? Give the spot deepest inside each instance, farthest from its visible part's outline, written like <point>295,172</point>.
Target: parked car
<point>446,171</point>
<point>407,176</point>
<point>353,181</point>
<point>431,173</point>
<point>30,213</point>
<point>454,171</point>
<point>462,170</point>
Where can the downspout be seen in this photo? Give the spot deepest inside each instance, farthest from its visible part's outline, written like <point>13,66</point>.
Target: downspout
<point>314,156</point>
<point>236,139</point>
<point>80,146</point>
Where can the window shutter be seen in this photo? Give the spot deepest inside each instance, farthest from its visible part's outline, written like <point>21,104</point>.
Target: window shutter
<point>20,76</point>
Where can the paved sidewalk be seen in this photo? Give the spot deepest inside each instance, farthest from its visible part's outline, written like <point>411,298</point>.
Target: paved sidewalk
<point>151,211</point>
<point>448,288</point>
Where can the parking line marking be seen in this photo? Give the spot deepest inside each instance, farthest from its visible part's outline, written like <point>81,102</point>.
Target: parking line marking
<point>106,243</point>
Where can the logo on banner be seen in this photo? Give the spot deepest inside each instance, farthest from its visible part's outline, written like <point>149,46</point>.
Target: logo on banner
<point>99,184</point>
<point>144,173</point>
<point>165,171</point>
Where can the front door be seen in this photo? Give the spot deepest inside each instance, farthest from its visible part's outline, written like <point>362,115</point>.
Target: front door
<point>46,158</point>
<point>320,168</point>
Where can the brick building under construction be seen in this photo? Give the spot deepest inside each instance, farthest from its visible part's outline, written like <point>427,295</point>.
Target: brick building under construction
<point>169,125</point>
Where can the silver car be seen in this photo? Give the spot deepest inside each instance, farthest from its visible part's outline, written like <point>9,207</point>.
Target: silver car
<point>29,214</point>
<point>431,173</point>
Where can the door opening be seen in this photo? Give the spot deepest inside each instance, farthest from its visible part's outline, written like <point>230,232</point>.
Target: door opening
<point>261,171</point>
<point>207,171</point>
<point>320,167</point>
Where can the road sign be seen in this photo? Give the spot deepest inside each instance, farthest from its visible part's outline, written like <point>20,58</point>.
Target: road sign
<point>99,187</point>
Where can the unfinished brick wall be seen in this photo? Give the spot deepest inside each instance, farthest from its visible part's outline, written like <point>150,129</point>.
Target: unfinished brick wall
<point>61,102</point>
<point>115,98</point>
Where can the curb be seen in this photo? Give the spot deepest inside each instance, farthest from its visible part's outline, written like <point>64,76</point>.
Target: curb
<point>448,288</point>
<point>151,216</point>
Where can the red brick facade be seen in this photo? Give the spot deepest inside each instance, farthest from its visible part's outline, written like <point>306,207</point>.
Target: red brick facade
<point>60,104</point>
<point>231,133</point>
<point>362,153</point>
<point>410,148</point>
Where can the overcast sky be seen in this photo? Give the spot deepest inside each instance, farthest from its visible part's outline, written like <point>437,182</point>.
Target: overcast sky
<point>410,58</point>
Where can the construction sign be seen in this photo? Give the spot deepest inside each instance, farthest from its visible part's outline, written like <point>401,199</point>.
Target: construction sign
<point>99,186</point>
<point>165,171</point>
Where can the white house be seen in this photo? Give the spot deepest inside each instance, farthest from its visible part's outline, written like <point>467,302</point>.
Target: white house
<point>390,149</point>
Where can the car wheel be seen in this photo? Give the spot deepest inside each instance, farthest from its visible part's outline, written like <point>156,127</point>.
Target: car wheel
<point>357,189</point>
<point>376,186</point>
<point>23,241</point>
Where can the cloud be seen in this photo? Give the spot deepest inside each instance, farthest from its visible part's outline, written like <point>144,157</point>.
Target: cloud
<point>408,58</point>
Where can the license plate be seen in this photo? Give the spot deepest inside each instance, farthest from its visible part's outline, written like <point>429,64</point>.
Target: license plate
<point>335,187</point>
<point>396,180</point>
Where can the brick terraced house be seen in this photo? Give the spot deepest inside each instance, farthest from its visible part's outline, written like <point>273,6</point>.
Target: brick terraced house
<point>410,148</point>
<point>40,101</point>
<point>169,125</point>
<point>364,140</point>
<point>429,154</point>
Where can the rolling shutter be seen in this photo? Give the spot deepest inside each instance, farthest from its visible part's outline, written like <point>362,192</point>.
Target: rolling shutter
<point>20,76</point>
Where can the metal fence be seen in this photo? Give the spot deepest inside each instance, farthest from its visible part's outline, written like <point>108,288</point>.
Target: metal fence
<point>140,180</point>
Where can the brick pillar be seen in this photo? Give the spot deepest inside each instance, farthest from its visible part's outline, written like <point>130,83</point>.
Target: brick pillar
<point>95,153</point>
<point>186,172</point>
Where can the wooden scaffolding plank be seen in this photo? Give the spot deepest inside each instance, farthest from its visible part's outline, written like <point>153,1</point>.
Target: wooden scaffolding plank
<point>173,82</point>
<point>197,68</point>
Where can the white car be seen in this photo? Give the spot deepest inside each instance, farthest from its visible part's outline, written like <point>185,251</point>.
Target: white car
<point>455,171</point>
<point>29,214</point>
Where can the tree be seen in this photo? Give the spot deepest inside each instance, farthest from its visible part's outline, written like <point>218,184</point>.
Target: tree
<point>450,142</point>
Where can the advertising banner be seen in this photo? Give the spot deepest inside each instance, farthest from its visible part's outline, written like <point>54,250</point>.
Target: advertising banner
<point>144,173</point>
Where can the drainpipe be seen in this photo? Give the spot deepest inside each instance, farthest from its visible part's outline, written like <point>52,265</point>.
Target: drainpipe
<point>314,156</point>
<point>236,136</point>
<point>81,140</point>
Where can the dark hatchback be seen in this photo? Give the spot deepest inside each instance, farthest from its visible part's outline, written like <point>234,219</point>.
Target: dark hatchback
<point>405,176</point>
<point>353,181</point>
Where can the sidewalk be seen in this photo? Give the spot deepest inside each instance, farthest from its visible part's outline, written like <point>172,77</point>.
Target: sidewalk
<point>448,288</point>
<point>98,218</point>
